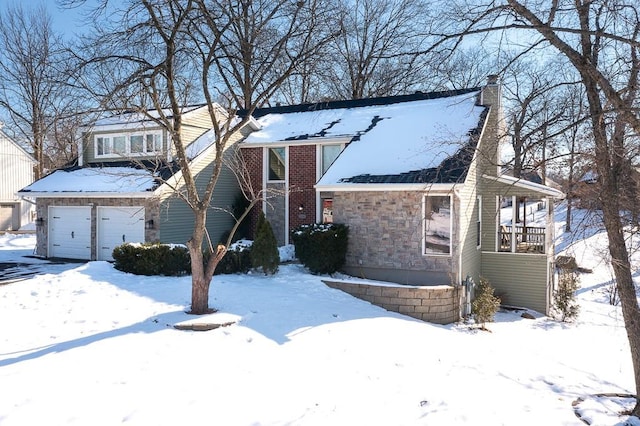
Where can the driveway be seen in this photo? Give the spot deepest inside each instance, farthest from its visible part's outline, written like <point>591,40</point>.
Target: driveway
<point>17,271</point>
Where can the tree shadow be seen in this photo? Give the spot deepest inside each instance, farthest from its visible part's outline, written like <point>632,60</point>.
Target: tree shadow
<point>149,325</point>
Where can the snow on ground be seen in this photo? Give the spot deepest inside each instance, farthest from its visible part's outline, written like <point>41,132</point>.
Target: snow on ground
<point>92,345</point>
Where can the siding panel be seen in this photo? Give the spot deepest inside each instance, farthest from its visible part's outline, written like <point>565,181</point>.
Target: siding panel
<point>519,279</point>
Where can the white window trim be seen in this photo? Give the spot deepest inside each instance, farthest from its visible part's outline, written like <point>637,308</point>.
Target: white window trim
<point>424,224</point>
<point>286,164</point>
<point>127,137</point>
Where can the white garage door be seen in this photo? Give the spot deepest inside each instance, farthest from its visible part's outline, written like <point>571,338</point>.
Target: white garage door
<point>70,232</point>
<point>117,225</point>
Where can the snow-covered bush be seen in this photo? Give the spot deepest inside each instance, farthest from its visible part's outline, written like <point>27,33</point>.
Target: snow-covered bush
<point>237,259</point>
<point>321,247</point>
<point>152,259</point>
<point>565,305</point>
<point>485,305</point>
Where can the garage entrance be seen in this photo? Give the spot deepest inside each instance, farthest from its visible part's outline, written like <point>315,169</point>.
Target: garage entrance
<point>70,232</point>
<point>117,225</point>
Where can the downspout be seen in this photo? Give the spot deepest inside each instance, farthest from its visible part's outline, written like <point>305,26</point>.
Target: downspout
<point>467,301</point>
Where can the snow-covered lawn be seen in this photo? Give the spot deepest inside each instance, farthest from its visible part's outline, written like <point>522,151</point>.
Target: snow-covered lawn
<point>90,345</point>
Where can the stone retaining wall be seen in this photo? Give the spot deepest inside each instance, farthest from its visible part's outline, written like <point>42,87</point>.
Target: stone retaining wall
<point>436,304</point>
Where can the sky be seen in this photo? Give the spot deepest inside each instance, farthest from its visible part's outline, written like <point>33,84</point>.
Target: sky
<point>86,344</point>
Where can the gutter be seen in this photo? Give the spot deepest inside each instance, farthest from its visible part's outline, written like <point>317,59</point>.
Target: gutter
<point>146,194</point>
<point>377,187</point>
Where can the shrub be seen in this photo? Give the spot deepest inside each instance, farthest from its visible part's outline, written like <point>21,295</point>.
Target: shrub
<point>322,248</point>
<point>564,298</point>
<point>264,251</point>
<point>152,259</point>
<point>237,259</point>
<point>485,305</point>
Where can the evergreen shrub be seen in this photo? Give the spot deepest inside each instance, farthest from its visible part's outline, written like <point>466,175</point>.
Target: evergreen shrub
<point>485,305</point>
<point>264,251</point>
<point>564,298</point>
<point>236,260</point>
<point>321,247</point>
<point>152,259</point>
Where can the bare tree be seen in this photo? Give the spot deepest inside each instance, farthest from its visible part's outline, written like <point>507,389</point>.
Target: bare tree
<point>163,53</point>
<point>33,78</point>
<point>374,54</point>
<point>601,41</point>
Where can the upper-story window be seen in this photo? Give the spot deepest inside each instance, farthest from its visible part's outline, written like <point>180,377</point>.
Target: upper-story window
<point>329,155</point>
<point>277,164</point>
<point>114,145</point>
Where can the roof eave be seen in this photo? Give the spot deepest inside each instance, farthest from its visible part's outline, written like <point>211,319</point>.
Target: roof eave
<point>379,187</point>
<point>62,194</point>
<point>525,184</point>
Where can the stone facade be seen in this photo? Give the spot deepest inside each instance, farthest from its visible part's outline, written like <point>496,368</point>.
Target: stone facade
<point>275,209</point>
<point>385,238</point>
<point>151,206</point>
<point>437,304</point>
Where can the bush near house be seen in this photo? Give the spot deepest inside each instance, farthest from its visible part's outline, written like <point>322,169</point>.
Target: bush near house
<point>264,251</point>
<point>152,259</point>
<point>321,247</point>
<point>485,305</point>
<point>237,259</point>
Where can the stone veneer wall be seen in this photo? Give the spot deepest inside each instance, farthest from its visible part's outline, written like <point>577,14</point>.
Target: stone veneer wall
<point>151,206</point>
<point>275,210</point>
<point>437,304</point>
<point>385,238</point>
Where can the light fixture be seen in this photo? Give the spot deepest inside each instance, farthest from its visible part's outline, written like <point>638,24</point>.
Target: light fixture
<point>301,207</point>
<point>149,224</point>
<point>40,221</point>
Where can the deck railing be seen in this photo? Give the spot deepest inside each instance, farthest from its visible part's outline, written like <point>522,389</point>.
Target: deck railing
<point>529,239</point>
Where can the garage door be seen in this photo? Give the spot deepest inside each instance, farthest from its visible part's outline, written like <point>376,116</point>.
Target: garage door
<point>9,216</point>
<point>117,225</point>
<point>70,232</point>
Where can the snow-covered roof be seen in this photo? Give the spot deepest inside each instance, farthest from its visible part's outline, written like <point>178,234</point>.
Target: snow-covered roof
<point>391,139</point>
<point>525,184</point>
<point>92,181</point>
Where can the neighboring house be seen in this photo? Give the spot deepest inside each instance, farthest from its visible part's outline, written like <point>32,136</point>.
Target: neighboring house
<point>16,171</point>
<point>417,179</point>
<point>124,188</point>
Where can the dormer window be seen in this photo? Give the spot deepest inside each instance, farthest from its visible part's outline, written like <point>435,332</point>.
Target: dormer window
<point>135,144</point>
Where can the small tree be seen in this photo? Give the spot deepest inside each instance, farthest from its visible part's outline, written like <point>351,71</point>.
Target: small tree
<point>485,305</point>
<point>264,251</point>
<point>564,298</point>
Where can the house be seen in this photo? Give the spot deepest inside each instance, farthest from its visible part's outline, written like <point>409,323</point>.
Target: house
<point>126,188</point>
<point>418,179</point>
<point>16,171</point>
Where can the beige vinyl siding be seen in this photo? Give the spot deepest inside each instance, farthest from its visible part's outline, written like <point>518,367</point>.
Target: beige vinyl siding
<point>16,169</point>
<point>518,279</point>
<point>470,256</point>
<point>16,172</point>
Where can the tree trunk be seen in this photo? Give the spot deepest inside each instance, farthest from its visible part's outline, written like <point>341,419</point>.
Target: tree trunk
<point>199,282</point>
<point>626,288</point>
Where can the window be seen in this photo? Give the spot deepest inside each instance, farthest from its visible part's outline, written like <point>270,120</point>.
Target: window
<point>479,221</point>
<point>122,145</point>
<point>437,224</point>
<point>277,161</point>
<point>329,155</point>
<point>327,210</point>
